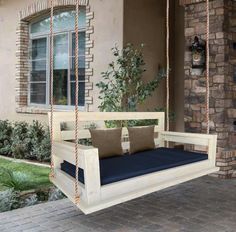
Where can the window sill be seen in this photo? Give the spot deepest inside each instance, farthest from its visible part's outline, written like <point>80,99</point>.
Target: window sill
<point>41,110</point>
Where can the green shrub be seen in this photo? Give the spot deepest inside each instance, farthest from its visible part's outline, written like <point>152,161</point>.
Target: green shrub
<point>5,137</point>
<point>9,200</point>
<point>39,142</point>
<point>55,194</point>
<point>25,141</point>
<point>20,140</point>
<point>30,201</point>
<point>42,148</point>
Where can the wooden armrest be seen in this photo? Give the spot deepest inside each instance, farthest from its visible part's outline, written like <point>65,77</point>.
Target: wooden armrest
<point>187,138</point>
<point>66,151</point>
<point>88,161</point>
<point>209,141</point>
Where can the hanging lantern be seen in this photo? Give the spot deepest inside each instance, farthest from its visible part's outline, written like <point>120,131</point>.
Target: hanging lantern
<point>198,50</point>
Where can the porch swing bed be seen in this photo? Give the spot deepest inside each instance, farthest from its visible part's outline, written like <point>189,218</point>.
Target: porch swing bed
<point>110,181</point>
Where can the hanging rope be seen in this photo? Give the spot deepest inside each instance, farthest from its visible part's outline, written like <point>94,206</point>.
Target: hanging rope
<point>167,65</point>
<point>207,68</point>
<point>77,197</point>
<point>52,174</point>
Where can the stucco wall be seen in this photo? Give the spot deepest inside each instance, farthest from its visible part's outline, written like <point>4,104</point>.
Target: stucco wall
<point>8,24</point>
<point>144,22</point>
<point>108,30</point>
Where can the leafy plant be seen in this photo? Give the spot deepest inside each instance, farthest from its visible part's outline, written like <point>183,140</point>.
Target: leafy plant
<point>9,200</point>
<point>40,146</point>
<point>36,134</point>
<point>20,140</point>
<point>25,141</point>
<point>14,180</point>
<point>122,88</point>
<point>28,176</point>
<point>5,137</point>
<point>55,194</point>
<point>42,149</point>
<point>31,200</point>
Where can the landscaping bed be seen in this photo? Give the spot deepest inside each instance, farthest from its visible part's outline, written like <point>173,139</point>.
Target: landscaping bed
<point>24,185</point>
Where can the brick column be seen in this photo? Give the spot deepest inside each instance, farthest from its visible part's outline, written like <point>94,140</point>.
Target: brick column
<point>222,86</point>
<point>22,65</point>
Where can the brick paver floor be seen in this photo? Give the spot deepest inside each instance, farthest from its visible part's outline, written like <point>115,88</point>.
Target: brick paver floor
<point>204,204</point>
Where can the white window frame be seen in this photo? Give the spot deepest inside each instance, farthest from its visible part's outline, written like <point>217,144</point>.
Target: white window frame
<point>47,36</point>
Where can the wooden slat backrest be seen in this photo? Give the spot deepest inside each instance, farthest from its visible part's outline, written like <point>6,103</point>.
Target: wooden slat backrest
<point>68,117</point>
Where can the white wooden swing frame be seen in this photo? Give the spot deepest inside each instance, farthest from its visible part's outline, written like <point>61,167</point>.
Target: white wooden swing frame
<point>92,196</point>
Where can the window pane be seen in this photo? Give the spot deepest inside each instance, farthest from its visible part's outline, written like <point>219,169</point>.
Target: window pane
<point>61,52</point>
<point>81,74</point>
<point>81,93</point>
<point>81,62</point>
<point>61,55</point>
<point>39,65</point>
<point>38,93</point>
<point>38,62</point>
<point>62,21</point>
<point>39,49</point>
<point>38,76</point>
<point>60,87</point>
<point>81,57</point>
<point>66,20</point>
<point>38,71</point>
<point>81,44</point>
<point>41,26</point>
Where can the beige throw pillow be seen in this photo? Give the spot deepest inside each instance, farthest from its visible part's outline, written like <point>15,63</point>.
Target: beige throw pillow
<point>107,141</point>
<point>141,138</point>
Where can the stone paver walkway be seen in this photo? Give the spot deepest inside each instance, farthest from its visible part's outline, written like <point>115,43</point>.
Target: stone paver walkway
<point>205,204</point>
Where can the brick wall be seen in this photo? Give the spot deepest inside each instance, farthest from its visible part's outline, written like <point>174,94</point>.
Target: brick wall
<point>29,13</point>
<point>222,85</point>
<point>22,65</point>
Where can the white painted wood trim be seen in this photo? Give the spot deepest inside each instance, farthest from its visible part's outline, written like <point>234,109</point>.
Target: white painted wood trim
<point>68,135</point>
<point>210,141</point>
<point>104,116</point>
<point>95,197</point>
<point>154,182</point>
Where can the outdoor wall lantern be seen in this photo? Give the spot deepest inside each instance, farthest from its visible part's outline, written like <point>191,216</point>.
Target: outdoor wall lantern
<point>198,50</point>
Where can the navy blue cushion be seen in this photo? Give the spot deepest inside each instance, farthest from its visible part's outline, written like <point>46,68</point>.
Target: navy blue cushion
<point>124,167</point>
